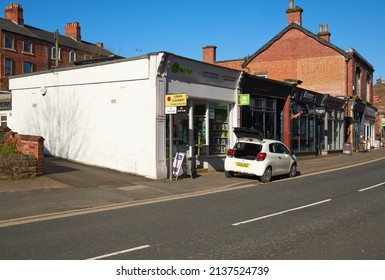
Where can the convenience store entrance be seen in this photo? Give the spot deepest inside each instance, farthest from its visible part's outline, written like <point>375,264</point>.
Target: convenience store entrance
<point>203,131</point>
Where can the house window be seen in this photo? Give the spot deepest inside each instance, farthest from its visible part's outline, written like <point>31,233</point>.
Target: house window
<point>72,58</point>
<point>8,67</point>
<point>27,47</point>
<point>358,82</point>
<point>53,53</point>
<point>9,43</point>
<point>3,120</point>
<point>87,57</point>
<point>27,67</point>
<point>368,87</point>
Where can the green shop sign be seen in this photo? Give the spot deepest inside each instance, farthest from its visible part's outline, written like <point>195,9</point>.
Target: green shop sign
<point>244,99</point>
<point>177,68</point>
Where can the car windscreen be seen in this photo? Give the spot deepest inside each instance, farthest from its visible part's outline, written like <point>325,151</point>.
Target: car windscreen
<point>247,150</point>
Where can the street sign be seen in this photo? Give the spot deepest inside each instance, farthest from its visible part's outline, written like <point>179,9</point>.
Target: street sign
<point>174,100</point>
<point>170,110</point>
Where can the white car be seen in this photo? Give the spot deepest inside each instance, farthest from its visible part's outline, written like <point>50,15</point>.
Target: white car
<point>257,156</point>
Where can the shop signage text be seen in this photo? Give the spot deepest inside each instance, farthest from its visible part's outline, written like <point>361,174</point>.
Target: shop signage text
<point>177,68</point>
<point>173,100</point>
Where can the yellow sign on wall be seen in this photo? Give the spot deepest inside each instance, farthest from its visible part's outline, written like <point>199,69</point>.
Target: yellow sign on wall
<point>174,100</point>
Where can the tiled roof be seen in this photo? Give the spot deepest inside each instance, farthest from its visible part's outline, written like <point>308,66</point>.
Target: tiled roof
<point>32,32</point>
<point>294,25</point>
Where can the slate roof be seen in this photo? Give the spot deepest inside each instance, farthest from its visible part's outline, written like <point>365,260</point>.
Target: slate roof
<point>33,32</point>
<point>294,25</point>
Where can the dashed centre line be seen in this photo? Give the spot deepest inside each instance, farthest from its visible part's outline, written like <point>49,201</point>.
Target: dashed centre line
<point>282,212</point>
<point>373,187</point>
<point>120,252</point>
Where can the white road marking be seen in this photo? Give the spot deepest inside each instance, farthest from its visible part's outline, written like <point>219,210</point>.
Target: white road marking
<point>120,252</point>
<point>372,187</point>
<point>282,212</point>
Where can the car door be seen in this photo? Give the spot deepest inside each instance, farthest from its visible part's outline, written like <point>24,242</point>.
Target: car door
<point>284,158</point>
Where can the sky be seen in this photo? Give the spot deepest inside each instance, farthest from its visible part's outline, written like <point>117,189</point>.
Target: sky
<point>237,27</point>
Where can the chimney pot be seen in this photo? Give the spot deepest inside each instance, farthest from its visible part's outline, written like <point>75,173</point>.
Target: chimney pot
<point>72,30</point>
<point>14,12</point>
<point>210,54</point>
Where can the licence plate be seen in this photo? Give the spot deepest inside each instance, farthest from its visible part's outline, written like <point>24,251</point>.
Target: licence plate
<point>240,164</point>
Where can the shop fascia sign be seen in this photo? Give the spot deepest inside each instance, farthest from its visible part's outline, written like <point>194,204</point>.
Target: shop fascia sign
<point>175,103</point>
<point>244,99</point>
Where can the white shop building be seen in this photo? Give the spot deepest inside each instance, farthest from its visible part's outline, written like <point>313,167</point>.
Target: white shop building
<point>112,114</point>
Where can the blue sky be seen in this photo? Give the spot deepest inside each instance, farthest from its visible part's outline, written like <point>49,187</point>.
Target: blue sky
<point>237,28</point>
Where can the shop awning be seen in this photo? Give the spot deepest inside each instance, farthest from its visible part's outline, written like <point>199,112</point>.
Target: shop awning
<point>358,106</point>
<point>265,87</point>
<point>335,103</point>
<point>308,97</point>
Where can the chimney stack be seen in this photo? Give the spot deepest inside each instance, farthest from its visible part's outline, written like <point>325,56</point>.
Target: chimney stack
<point>324,32</point>
<point>73,30</point>
<point>14,12</point>
<point>294,14</point>
<point>210,54</point>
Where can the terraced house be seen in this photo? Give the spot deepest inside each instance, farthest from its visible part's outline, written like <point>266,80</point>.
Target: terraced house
<point>26,49</point>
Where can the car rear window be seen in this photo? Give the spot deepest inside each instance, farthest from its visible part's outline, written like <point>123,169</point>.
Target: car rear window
<point>247,150</point>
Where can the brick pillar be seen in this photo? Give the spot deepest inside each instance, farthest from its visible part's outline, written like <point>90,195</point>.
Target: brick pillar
<point>32,145</point>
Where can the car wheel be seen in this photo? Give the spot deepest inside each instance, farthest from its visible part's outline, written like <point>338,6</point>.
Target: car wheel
<point>293,170</point>
<point>229,174</point>
<point>266,177</point>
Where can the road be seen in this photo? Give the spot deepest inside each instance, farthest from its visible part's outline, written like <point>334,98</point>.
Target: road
<point>334,215</point>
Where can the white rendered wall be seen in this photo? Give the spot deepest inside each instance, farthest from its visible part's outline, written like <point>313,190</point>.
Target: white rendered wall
<point>101,115</point>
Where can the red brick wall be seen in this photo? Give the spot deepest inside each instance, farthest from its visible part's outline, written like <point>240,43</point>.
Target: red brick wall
<point>27,145</point>
<point>297,56</point>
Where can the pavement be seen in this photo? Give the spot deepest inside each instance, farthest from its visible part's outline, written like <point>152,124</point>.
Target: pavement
<point>69,188</point>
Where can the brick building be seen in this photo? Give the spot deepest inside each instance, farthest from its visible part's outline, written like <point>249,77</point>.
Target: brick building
<point>297,54</point>
<point>25,49</point>
<point>379,102</point>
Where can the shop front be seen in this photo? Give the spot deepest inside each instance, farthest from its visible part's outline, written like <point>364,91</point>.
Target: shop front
<point>369,124</point>
<point>265,111</point>
<point>333,124</point>
<point>201,130</point>
<point>358,122</point>
<point>317,122</point>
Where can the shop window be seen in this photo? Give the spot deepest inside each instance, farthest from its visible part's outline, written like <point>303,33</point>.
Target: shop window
<point>303,127</point>
<point>262,115</point>
<point>219,128</point>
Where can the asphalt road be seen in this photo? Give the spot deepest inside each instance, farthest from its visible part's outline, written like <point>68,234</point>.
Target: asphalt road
<point>334,215</point>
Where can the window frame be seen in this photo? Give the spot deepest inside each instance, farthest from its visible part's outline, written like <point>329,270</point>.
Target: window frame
<point>53,53</point>
<point>31,67</point>
<point>72,56</point>
<point>8,66</point>
<point>30,49</point>
<point>6,39</point>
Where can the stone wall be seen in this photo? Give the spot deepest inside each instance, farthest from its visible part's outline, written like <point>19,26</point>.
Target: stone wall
<point>30,160</point>
<point>17,166</point>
